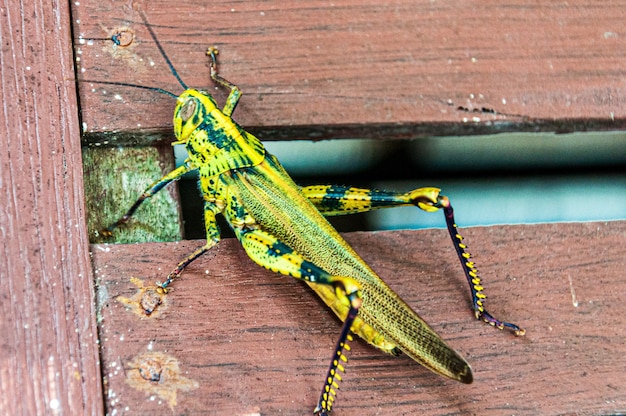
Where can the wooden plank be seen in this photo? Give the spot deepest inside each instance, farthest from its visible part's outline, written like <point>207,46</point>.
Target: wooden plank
<point>232,338</point>
<point>362,69</point>
<point>114,179</point>
<point>49,362</point>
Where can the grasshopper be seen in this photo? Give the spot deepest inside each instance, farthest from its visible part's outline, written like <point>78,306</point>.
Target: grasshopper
<point>283,228</point>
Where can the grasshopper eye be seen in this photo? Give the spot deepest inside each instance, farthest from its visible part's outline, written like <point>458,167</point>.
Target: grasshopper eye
<point>188,109</point>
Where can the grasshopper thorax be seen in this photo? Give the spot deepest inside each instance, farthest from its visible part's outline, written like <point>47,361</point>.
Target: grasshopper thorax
<point>214,142</point>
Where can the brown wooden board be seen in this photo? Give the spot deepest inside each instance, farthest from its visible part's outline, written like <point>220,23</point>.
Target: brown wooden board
<point>401,69</point>
<point>49,362</point>
<point>234,339</point>
<point>394,69</point>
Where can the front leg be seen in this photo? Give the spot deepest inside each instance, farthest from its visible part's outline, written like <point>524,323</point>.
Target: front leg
<point>342,200</point>
<point>235,91</point>
<point>149,193</point>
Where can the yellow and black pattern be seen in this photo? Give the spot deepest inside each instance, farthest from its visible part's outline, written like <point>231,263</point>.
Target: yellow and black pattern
<point>149,193</point>
<point>471,273</point>
<point>342,200</point>
<point>282,228</point>
<point>214,142</point>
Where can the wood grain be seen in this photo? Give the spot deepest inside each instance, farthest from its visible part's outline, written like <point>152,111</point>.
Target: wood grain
<point>114,179</point>
<point>260,343</point>
<point>398,69</point>
<point>49,362</point>
<point>247,341</point>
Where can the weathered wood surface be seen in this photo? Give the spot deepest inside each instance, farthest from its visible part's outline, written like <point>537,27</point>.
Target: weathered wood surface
<point>361,69</point>
<point>49,362</point>
<point>247,341</point>
<point>326,72</point>
<point>114,179</point>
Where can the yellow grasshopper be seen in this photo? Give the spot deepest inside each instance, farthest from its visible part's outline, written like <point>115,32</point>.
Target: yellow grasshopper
<point>282,227</point>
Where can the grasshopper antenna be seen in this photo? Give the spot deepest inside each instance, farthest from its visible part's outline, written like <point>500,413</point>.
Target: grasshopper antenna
<point>125,84</point>
<point>158,44</point>
<point>115,40</point>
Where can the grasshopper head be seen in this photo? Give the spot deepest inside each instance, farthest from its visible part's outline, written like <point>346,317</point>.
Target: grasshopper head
<point>192,107</point>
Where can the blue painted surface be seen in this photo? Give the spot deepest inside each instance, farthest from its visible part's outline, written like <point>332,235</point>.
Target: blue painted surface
<point>523,197</point>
